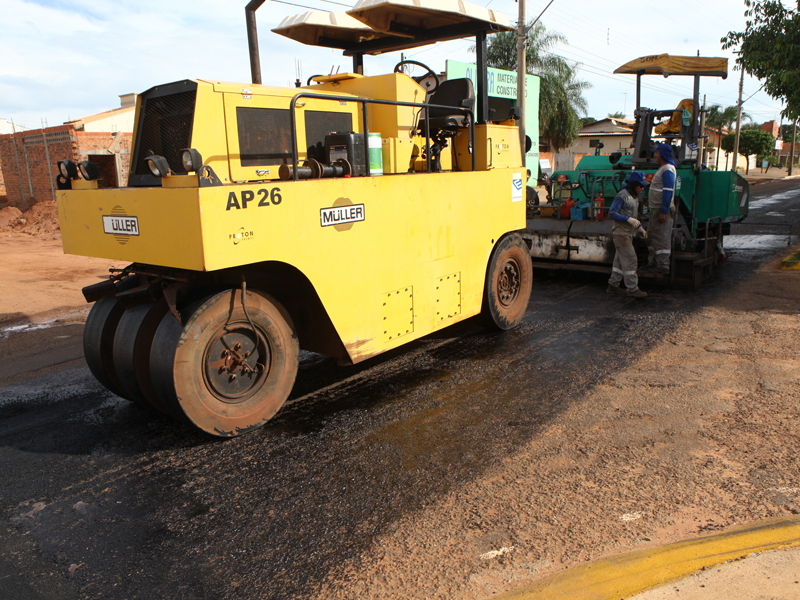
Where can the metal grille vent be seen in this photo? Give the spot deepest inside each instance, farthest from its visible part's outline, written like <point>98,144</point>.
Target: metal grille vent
<point>264,136</point>
<point>165,129</point>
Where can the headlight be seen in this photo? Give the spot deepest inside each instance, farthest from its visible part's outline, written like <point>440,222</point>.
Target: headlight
<point>158,165</point>
<point>68,169</point>
<point>89,170</point>
<point>191,159</point>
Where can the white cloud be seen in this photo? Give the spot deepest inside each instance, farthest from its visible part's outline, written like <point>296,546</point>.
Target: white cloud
<point>69,59</point>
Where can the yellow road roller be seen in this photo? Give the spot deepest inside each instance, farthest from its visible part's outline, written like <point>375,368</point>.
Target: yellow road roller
<point>346,217</point>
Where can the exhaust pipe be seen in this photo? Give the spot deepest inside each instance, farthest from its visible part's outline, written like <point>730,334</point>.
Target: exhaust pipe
<point>252,39</point>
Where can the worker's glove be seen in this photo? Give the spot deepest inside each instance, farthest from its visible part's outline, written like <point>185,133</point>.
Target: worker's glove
<point>634,222</point>
<point>640,232</point>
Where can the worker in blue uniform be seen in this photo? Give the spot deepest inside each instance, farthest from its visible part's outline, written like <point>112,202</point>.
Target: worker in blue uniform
<point>623,211</point>
<point>662,210</point>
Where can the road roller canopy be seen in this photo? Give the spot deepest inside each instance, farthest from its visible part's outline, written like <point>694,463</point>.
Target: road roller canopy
<point>666,65</point>
<point>378,26</point>
<point>327,29</point>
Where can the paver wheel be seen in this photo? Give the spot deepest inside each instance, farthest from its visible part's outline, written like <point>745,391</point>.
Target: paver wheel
<point>131,351</point>
<point>508,283</point>
<point>225,371</point>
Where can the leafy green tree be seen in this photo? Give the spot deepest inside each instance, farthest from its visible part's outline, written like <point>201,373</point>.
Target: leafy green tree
<point>770,50</point>
<point>561,101</point>
<point>587,121</point>
<point>616,115</point>
<point>751,126</point>
<point>751,141</point>
<point>787,132</point>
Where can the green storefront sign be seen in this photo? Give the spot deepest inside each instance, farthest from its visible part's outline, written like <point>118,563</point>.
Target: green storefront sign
<point>503,84</point>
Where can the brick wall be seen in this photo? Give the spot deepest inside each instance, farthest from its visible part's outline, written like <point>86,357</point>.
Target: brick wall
<point>771,127</point>
<point>24,159</point>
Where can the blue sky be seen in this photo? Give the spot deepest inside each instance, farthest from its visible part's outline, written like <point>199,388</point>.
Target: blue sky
<point>64,60</point>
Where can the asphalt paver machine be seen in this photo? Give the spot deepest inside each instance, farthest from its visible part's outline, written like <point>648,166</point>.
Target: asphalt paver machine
<point>346,217</point>
<point>573,230</point>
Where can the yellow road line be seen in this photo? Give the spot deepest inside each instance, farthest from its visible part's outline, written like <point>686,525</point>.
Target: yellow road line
<point>791,262</point>
<point>629,574</point>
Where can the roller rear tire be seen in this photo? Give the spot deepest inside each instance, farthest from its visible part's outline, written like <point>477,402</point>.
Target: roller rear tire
<point>509,277</point>
<point>131,352</point>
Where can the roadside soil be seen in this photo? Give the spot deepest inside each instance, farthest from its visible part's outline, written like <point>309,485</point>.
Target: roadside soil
<point>768,576</point>
<point>38,282</point>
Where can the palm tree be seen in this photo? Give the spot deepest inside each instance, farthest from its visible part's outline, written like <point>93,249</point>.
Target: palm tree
<point>719,119</point>
<point>561,101</point>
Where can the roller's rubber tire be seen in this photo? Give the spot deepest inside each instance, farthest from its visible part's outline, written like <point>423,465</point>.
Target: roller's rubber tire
<point>98,337</point>
<point>188,372</point>
<point>98,343</point>
<point>131,354</point>
<point>509,278</point>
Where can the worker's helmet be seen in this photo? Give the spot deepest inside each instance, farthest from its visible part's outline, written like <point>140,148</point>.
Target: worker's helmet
<point>637,178</point>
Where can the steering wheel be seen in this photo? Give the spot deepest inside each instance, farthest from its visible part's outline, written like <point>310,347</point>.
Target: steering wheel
<point>398,68</point>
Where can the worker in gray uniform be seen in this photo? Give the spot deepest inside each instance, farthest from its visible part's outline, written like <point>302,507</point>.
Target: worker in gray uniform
<point>662,210</point>
<point>623,211</point>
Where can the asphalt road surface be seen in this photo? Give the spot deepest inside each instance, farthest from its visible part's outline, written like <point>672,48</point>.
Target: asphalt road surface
<point>103,501</point>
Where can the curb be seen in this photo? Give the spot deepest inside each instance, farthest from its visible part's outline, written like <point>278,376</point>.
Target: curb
<point>791,262</point>
<point>630,574</point>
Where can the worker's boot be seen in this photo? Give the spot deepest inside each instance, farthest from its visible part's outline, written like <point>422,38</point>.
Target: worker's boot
<point>614,289</point>
<point>637,293</point>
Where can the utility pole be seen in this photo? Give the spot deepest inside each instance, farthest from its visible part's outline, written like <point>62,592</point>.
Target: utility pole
<point>522,70</point>
<point>522,39</point>
<point>738,122</point>
<point>791,152</point>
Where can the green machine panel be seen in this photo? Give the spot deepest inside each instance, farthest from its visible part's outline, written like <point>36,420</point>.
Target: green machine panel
<point>722,194</point>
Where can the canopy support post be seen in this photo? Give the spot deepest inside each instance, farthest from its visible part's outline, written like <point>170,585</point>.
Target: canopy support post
<point>358,63</point>
<point>483,80</point>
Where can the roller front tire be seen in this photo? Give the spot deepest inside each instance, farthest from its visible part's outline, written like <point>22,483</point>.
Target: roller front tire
<point>222,372</point>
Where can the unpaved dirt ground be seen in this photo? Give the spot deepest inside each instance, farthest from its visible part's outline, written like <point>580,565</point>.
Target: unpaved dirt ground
<point>39,282</point>
<point>462,466</point>
<point>769,576</point>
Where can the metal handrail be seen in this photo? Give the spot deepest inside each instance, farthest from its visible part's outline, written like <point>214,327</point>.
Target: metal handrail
<point>364,101</point>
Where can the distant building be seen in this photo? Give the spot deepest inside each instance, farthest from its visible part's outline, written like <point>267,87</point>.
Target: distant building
<point>29,158</point>
<point>7,126</point>
<point>616,135</point>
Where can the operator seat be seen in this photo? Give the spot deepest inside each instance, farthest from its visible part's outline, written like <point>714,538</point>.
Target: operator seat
<point>673,125</point>
<point>453,92</point>
<point>443,123</point>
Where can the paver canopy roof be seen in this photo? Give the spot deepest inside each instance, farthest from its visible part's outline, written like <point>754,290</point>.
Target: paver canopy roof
<point>666,65</point>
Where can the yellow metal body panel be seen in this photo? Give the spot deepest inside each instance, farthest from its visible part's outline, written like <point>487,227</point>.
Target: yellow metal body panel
<point>168,232</point>
<point>179,181</point>
<point>496,147</point>
<point>397,155</point>
<point>389,121</point>
<point>398,314</point>
<point>82,184</point>
<point>448,298</point>
<point>410,231</point>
